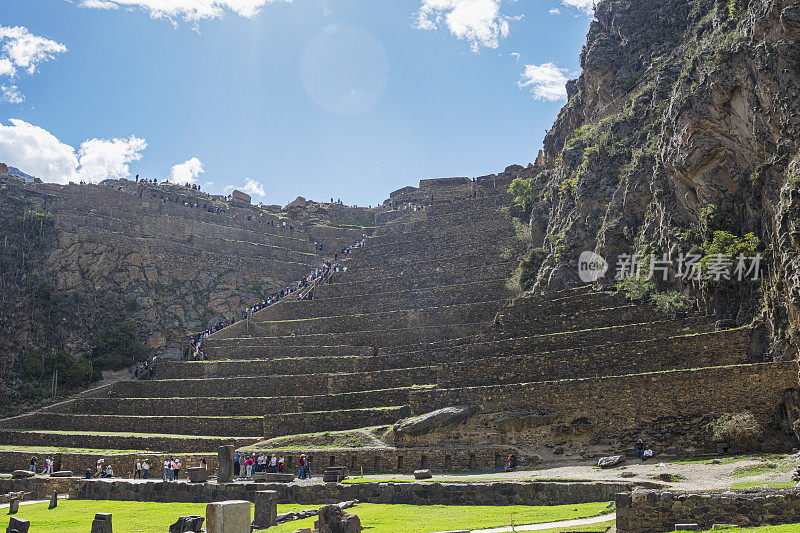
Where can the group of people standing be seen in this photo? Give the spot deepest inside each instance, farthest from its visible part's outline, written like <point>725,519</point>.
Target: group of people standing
<point>245,465</point>
<point>146,370</point>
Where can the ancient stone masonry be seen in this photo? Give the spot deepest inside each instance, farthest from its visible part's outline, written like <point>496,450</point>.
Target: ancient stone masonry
<point>652,511</point>
<point>502,493</point>
<point>174,259</point>
<point>423,317</point>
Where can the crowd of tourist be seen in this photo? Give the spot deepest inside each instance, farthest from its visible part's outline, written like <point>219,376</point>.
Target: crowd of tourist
<point>321,274</point>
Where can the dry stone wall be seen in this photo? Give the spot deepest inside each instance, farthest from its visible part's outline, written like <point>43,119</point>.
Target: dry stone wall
<point>653,511</point>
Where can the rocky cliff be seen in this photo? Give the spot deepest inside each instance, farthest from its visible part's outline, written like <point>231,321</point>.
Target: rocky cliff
<point>135,267</point>
<point>680,136</point>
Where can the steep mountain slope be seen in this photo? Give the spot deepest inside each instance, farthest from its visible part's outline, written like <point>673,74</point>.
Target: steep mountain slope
<point>681,136</point>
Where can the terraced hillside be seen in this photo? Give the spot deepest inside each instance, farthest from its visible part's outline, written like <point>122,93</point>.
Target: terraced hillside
<point>422,328</point>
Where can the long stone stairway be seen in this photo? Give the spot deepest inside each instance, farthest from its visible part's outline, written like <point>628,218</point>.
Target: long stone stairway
<point>422,319</point>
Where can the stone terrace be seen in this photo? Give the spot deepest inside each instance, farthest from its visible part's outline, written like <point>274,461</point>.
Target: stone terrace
<point>422,318</point>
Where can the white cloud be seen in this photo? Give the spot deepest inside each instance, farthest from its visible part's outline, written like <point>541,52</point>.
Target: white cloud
<point>101,159</point>
<point>546,82</point>
<point>10,94</point>
<point>253,188</point>
<point>188,9</point>
<point>515,55</point>
<point>22,49</point>
<point>584,5</point>
<point>187,172</point>
<point>38,152</point>
<point>478,21</point>
<point>7,67</point>
<point>99,4</point>
<point>555,11</point>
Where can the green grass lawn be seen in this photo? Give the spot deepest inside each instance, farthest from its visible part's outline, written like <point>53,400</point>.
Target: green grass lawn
<point>75,516</point>
<point>427,518</point>
<point>753,470</point>
<point>760,484</point>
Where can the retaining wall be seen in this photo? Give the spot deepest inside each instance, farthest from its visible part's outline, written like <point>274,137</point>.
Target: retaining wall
<point>651,511</point>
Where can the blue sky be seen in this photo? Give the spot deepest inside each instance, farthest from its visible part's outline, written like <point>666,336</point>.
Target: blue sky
<point>319,98</point>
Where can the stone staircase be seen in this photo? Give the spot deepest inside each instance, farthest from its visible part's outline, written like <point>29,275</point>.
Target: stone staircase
<point>422,319</point>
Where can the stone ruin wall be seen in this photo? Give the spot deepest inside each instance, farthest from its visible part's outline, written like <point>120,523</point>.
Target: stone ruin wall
<point>498,493</point>
<point>655,511</point>
<point>609,410</point>
<point>172,268</point>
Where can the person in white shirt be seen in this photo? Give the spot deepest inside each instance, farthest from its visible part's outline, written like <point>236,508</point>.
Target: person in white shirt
<point>145,469</point>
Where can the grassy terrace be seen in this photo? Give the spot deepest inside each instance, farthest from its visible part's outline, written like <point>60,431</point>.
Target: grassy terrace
<point>75,516</point>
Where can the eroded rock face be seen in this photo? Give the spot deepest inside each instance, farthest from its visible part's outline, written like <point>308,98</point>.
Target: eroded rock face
<point>684,121</point>
<point>435,420</point>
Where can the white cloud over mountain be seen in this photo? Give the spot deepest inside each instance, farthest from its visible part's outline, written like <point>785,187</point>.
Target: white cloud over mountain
<point>187,172</point>
<point>584,5</point>
<point>38,152</point>
<point>545,82</point>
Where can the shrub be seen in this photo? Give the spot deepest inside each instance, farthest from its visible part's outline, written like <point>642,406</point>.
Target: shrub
<point>636,287</point>
<point>741,429</point>
<point>522,191</point>
<point>671,303</point>
<point>117,345</point>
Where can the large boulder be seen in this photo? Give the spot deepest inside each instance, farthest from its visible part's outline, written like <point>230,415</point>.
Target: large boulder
<point>435,420</point>
<point>611,460</point>
<point>21,474</point>
<point>187,524</point>
<point>423,474</point>
<point>197,474</point>
<point>332,519</point>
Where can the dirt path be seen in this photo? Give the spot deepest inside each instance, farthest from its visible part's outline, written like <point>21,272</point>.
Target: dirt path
<point>551,525</point>
<point>689,474</point>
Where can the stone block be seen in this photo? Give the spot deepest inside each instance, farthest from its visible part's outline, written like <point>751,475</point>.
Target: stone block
<point>225,468</point>
<point>687,527</point>
<point>612,460</point>
<point>19,524</point>
<point>22,474</point>
<point>197,474</point>
<point>266,512</point>
<point>187,524</point>
<point>228,517</point>
<point>423,474</point>
<point>102,523</point>
<point>332,519</point>
<point>13,506</point>
<point>334,474</point>
<point>62,473</point>
<point>53,500</point>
